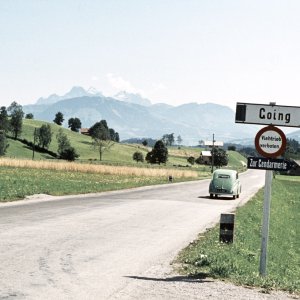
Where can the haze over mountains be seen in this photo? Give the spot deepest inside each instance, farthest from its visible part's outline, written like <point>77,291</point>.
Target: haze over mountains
<point>136,117</point>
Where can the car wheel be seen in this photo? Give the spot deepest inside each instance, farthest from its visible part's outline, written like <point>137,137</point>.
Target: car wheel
<point>233,197</point>
<point>211,196</point>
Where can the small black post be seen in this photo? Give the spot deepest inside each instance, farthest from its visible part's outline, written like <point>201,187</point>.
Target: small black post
<point>227,228</point>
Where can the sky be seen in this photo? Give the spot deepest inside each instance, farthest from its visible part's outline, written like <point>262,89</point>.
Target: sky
<point>170,51</point>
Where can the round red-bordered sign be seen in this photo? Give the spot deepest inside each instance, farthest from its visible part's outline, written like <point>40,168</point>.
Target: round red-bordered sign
<point>270,142</point>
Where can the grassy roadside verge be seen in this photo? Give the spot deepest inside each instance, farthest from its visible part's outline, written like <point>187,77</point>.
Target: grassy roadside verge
<point>21,178</point>
<point>239,262</point>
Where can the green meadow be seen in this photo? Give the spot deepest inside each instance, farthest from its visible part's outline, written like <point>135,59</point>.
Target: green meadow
<point>17,183</point>
<point>239,262</point>
<point>118,154</point>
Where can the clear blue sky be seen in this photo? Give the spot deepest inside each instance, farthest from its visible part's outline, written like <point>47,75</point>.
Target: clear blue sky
<point>172,51</point>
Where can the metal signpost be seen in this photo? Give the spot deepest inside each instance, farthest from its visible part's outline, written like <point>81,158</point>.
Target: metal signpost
<point>270,142</point>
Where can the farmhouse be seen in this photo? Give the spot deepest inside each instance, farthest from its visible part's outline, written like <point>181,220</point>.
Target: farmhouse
<point>84,131</point>
<point>296,169</point>
<point>205,157</point>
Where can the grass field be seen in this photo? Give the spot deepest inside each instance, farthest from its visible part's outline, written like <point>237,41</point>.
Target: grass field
<point>116,162</point>
<point>20,178</point>
<point>119,154</point>
<point>17,183</point>
<point>239,262</point>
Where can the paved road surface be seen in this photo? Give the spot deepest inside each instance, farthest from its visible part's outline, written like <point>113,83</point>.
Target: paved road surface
<point>114,245</point>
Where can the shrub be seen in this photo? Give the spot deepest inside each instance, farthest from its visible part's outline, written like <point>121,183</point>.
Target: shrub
<point>191,160</point>
<point>69,154</point>
<point>138,156</point>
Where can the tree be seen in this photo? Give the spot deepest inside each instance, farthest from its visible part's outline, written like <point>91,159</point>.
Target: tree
<point>168,139</point>
<point>159,153</point>
<point>292,148</point>
<point>112,134</point>
<point>117,137</point>
<point>102,146</point>
<point>3,143</point>
<point>248,151</point>
<point>44,136</point>
<point>145,143</point>
<point>201,143</point>
<point>59,118</point>
<point>231,148</point>
<point>29,116</point>
<point>63,141</point>
<point>103,137</point>
<point>179,140</point>
<point>219,157</point>
<point>4,122</point>
<point>74,124</point>
<point>65,150</point>
<point>138,156</point>
<point>16,118</point>
<point>100,130</point>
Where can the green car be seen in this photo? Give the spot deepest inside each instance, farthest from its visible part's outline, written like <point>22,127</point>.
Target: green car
<point>225,182</point>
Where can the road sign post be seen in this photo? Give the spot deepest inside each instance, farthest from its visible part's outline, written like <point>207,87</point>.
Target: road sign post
<point>265,224</point>
<point>270,142</point>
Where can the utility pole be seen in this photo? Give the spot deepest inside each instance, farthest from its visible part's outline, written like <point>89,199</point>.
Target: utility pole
<point>34,140</point>
<point>212,151</point>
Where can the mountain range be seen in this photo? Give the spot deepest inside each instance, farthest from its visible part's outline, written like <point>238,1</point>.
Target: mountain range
<point>136,117</point>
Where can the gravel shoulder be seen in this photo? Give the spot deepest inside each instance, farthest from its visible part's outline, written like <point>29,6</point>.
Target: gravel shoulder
<point>168,285</point>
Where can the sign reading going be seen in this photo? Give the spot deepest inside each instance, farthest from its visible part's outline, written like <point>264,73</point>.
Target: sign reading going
<point>268,164</point>
<point>264,114</point>
<point>270,141</point>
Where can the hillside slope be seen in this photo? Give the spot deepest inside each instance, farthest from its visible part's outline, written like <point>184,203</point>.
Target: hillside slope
<point>119,154</point>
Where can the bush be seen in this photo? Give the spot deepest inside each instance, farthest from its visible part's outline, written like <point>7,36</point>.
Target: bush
<point>191,160</point>
<point>69,154</point>
<point>138,156</point>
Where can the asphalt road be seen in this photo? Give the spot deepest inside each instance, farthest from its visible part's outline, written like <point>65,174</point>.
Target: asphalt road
<point>105,246</point>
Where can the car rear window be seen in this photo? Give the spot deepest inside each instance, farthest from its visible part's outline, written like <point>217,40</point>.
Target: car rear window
<point>223,176</point>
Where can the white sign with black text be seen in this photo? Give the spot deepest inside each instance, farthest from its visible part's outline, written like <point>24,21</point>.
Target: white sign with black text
<point>250,113</point>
